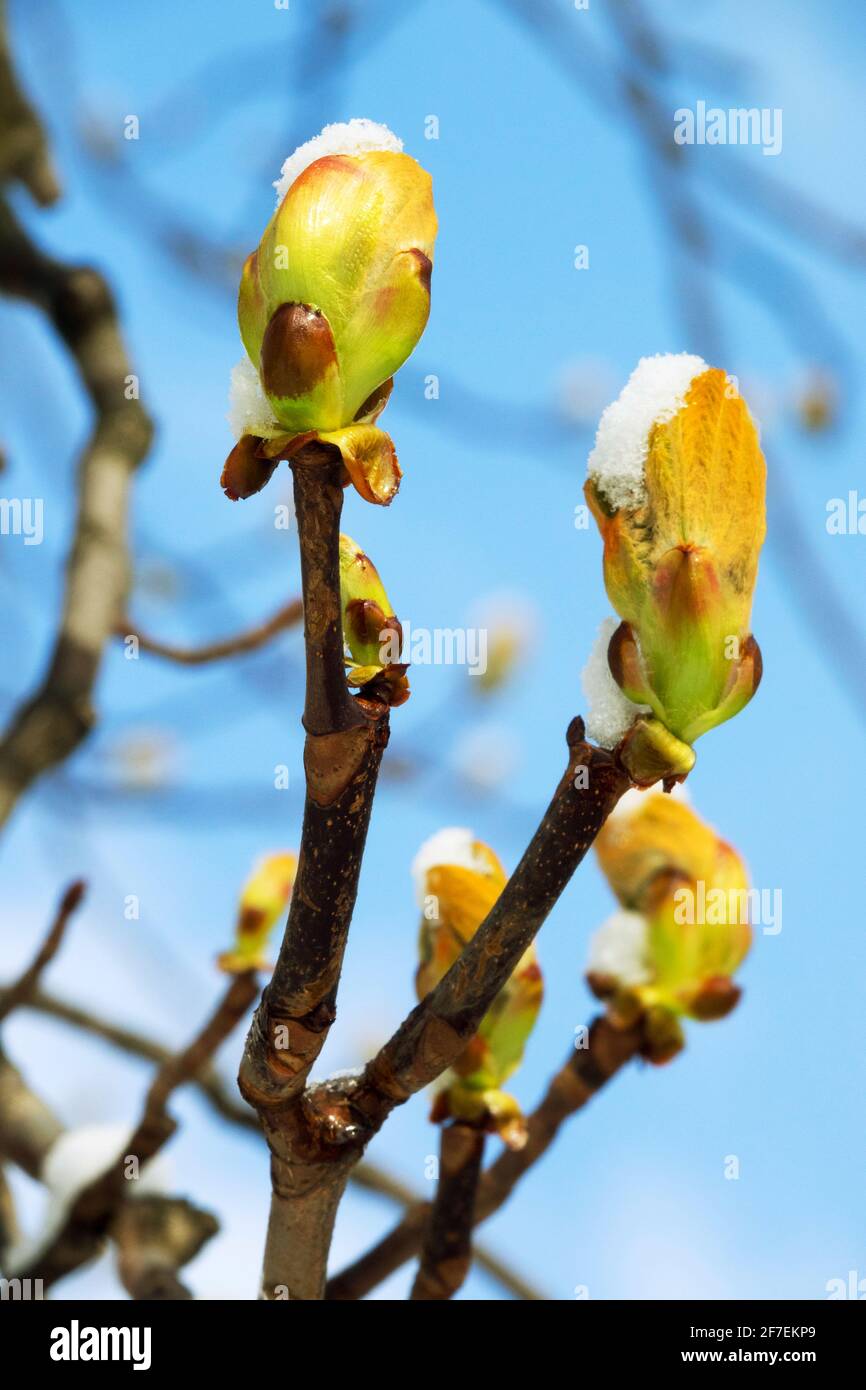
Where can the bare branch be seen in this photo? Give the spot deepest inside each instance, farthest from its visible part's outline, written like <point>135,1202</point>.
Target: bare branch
<point>446,1253</point>
<point>584,1073</point>
<point>250,641</point>
<point>346,738</point>
<point>25,986</point>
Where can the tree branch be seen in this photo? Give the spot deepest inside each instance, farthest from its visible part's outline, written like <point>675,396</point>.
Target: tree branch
<point>51,724</point>
<point>25,986</point>
<point>446,1253</point>
<point>250,641</point>
<point>345,742</point>
<point>583,1074</point>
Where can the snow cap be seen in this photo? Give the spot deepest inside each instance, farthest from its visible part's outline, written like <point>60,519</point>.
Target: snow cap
<point>654,392</point>
<point>346,137</point>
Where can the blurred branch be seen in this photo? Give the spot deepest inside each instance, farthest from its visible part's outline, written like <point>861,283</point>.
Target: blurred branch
<point>156,1236</point>
<point>584,1073</point>
<point>28,1128</point>
<point>288,616</point>
<point>24,154</point>
<point>446,1252</point>
<point>10,1232</point>
<point>92,1213</point>
<point>51,724</point>
<point>22,991</point>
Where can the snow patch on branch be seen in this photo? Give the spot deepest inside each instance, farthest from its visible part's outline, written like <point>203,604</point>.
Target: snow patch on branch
<point>610,713</point>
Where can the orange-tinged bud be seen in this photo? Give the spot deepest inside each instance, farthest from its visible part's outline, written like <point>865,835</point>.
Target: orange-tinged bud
<point>676,485</point>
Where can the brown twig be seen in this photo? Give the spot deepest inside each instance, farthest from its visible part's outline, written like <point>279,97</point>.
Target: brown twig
<point>91,1214</point>
<point>446,1252</point>
<point>250,641</point>
<point>583,1074</point>
<point>344,746</point>
<point>22,990</point>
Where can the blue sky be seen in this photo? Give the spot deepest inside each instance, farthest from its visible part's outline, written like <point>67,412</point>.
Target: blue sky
<point>633,1201</point>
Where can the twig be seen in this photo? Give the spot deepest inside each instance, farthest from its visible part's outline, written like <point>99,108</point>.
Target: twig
<point>343,751</point>
<point>584,1073</point>
<point>91,1214</point>
<point>446,1253</point>
<point>288,616</point>
<point>25,986</point>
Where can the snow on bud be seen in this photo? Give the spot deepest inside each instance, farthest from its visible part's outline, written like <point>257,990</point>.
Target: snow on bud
<point>333,301</point>
<point>676,484</point>
<point>683,929</point>
<point>263,901</point>
<point>458,880</point>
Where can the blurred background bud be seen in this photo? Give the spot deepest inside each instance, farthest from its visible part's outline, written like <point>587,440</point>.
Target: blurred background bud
<point>263,901</point>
